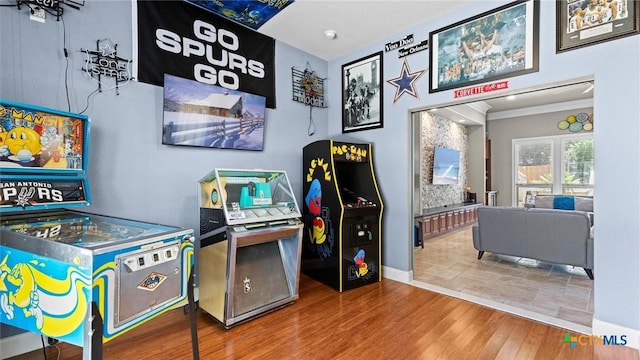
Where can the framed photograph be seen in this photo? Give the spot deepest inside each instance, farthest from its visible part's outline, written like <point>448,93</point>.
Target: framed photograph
<point>586,22</point>
<point>494,45</point>
<point>362,94</point>
<point>204,115</point>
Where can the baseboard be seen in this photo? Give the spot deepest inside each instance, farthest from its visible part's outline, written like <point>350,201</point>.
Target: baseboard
<point>397,275</point>
<point>19,344</point>
<point>604,328</point>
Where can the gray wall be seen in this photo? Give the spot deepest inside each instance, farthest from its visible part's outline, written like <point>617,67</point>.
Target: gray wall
<point>162,186</point>
<point>502,131</point>
<point>616,94</point>
<point>131,174</point>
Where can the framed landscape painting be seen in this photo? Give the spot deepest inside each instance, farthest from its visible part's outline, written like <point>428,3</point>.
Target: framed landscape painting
<point>204,115</point>
<point>494,45</point>
<point>586,22</point>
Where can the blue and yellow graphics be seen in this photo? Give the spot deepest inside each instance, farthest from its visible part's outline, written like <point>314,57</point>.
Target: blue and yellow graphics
<point>132,271</point>
<point>318,219</point>
<point>43,295</point>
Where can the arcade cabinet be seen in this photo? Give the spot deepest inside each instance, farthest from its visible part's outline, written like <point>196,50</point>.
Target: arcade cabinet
<point>250,243</point>
<point>73,276</point>
<point>342,215</point>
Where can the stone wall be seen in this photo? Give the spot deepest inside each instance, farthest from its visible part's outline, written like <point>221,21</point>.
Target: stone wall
<point>438,131</point>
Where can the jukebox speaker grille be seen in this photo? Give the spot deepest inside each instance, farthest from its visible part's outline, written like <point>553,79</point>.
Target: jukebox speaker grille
<point>210,219</point>
<point>260,277</point>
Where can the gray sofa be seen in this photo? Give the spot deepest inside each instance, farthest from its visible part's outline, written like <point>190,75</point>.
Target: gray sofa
<point>549,235</point>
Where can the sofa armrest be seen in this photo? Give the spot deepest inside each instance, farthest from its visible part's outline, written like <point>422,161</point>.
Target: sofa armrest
<point>476,237</point>
<point>590,262</point>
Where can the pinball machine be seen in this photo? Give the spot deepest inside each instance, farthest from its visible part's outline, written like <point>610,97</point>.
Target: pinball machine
<point>74,276</point>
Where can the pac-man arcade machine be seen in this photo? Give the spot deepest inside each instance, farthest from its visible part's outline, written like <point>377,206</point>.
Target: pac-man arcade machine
<point>342,215</point>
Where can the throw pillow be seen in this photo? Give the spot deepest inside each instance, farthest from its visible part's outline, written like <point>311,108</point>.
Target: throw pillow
<point>564,203</point>
<point>584,203</point>
<point>544,201</point>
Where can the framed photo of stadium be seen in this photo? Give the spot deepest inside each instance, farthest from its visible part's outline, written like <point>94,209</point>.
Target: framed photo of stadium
<point>497,44</point>
<point>586,22</point>
<point>362,94</point>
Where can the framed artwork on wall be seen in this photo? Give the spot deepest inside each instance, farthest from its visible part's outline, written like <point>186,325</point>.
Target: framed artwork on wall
<point>497,44</point>
<point>581,23</point>
<point>362,94</point>
<point>205,115</point>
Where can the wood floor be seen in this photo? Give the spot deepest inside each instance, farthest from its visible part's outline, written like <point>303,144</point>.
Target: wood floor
<point>385,320</point>
<point>558,293</point>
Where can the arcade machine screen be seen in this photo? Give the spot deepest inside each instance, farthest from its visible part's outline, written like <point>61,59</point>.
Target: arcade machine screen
<point>354,191</point>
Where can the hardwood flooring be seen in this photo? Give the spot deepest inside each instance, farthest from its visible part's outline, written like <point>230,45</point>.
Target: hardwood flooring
<point>557,294</point>
<point>385,320</point>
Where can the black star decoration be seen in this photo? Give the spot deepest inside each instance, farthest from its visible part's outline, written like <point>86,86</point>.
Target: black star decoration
<point>406,82</point>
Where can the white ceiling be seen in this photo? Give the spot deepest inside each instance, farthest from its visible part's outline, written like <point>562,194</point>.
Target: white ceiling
<point>359,23</point>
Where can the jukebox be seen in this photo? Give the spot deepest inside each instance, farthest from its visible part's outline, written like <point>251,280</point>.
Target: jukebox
<point>342,215</point>
<point>77,277</point>
<point>250,243</point>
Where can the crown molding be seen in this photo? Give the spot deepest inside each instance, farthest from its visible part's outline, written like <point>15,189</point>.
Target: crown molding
<point>542,109</point>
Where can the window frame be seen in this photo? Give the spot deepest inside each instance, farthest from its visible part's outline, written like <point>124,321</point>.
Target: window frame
<point>557,143</point>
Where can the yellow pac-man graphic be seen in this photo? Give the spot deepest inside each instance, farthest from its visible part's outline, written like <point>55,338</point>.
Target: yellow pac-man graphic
<point>318,235</point>
<point>354,152</point>
<point>55,307</point>
<point>315,163</point>
<point>23,138</point>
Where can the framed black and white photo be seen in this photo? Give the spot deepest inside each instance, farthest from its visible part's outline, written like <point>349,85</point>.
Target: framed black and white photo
<point>581,23</point>
<point>362,94</point>
<point>494,45</point>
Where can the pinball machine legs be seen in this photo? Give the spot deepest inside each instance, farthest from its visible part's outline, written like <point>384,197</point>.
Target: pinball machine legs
<point>92,349</point>
<point>192,317</point>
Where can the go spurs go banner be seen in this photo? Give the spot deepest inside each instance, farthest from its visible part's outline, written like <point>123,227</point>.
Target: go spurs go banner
<point>184,40</point>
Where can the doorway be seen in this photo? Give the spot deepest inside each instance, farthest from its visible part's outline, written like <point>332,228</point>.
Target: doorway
<point>555,294</point>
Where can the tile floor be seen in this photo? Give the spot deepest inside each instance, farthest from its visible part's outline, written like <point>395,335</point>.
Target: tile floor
<point>556,294</point>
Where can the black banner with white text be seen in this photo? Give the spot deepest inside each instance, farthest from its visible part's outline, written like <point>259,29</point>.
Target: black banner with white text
<point>181,39</point>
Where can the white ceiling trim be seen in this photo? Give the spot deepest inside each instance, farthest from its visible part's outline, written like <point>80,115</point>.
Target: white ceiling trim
<point>542,109</point>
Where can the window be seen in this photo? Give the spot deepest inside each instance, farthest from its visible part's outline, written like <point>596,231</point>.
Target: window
<point>553,165</point>
<point>577,166</point>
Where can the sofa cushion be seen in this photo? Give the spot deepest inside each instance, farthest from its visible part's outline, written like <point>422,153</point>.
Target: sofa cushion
<point>501,227</point>
<point>558,236</point>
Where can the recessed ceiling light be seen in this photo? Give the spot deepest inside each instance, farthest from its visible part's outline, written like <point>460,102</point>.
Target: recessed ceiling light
<point>330,34</point>
<point>511,97</point>
<point>461,120</point>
